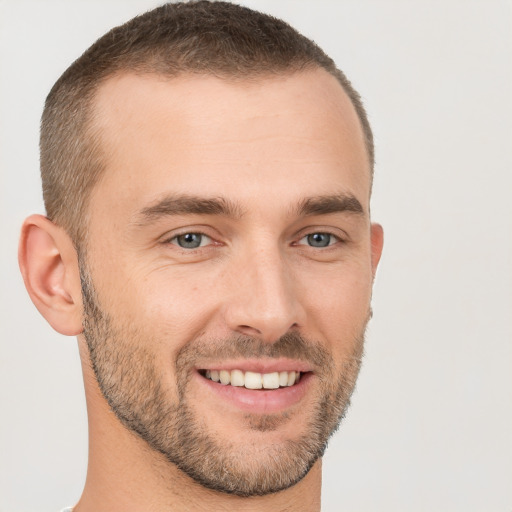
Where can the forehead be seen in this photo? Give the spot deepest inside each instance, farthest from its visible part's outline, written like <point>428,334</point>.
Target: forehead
<point>214,137</point>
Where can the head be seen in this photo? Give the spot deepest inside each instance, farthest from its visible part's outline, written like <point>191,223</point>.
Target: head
<point>208,172</point>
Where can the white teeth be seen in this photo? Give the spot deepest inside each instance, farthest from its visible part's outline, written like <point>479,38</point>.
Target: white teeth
<point>254,380</point>
<point>271,380</point>
<point>225,377</point>
<point>237,378</point>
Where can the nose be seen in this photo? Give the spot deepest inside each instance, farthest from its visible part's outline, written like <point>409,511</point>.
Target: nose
<point>264,302</point>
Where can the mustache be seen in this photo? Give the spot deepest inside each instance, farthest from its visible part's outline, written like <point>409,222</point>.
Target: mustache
<point>292,345</point>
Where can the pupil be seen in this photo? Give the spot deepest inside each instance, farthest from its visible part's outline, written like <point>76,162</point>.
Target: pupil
<point>319,239</point>
<point>189,240</point>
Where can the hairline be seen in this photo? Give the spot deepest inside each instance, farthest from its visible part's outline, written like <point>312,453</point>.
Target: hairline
<point>91,134</point>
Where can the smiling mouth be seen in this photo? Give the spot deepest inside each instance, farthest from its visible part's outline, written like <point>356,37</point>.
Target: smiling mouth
<point>253,380</point>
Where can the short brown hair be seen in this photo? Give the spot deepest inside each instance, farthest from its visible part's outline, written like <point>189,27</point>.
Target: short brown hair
<point>201,37</point>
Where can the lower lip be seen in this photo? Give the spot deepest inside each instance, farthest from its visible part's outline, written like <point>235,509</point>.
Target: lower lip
<point>259,401</point>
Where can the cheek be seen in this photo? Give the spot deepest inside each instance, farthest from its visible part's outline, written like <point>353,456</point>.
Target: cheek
<point>172,307</point>
<point>338,303</point>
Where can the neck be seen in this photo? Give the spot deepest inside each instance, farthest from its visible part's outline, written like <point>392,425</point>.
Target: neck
<point>125,475</point>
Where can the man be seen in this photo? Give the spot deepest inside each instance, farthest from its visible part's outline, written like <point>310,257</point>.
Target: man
<point>206,173</point>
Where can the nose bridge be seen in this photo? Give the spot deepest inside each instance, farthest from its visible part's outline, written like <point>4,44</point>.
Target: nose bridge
<point>264,303</point>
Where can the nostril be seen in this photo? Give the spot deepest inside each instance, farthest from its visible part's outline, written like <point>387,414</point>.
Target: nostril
<point>248,330</point>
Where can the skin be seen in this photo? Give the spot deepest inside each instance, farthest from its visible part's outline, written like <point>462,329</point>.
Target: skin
<point>266,146</point>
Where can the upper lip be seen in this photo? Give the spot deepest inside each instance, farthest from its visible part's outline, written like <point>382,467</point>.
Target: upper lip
<point>266,365</point>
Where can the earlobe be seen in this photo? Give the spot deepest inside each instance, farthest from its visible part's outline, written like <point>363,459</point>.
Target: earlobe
<point>377,239</point>
<point>49,266</point>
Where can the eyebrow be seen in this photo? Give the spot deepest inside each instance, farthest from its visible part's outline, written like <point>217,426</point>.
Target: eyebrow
<point>188,205</point>
<point>324,205</point>
<point>184,204</point>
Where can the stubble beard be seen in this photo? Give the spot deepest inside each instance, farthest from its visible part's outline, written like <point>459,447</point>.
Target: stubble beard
<point>126,372</point>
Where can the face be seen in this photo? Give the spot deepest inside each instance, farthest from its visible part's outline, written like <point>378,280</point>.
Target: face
<point>228,270</point>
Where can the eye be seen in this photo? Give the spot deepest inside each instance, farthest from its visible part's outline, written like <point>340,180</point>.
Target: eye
<point>191,240</point>
<point>319,240</point>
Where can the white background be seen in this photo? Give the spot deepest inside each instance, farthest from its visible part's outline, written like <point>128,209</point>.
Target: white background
<point>430,428</point>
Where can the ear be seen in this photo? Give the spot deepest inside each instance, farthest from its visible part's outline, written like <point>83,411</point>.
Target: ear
<point>377,240</point>
<point>49,265</point>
